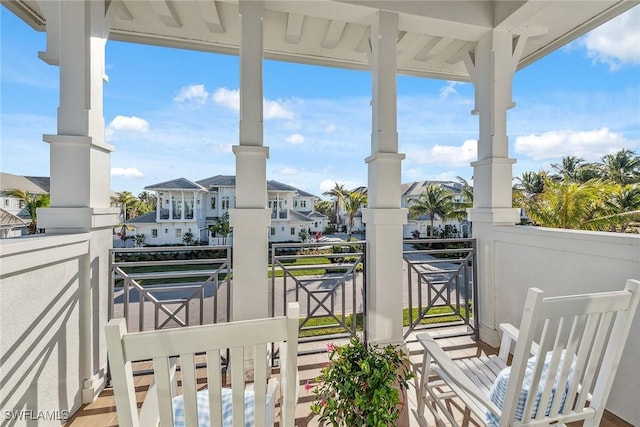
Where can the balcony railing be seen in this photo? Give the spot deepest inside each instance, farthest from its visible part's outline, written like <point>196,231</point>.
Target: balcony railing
<point>170,286</point>
<point>328,281</point>
<point>441,284</point>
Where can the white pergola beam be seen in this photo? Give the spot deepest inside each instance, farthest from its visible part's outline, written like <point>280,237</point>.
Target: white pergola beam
<point>333,34</point>
<point>211,16</point>
<point>166,12</point>
<point>295,23</point>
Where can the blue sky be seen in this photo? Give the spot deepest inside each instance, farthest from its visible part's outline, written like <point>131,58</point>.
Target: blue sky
<point>172,113</point>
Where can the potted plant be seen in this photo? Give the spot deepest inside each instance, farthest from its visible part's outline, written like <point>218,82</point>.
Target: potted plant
<point>362,385</point>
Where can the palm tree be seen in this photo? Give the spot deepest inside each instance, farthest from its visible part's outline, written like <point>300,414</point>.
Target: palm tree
<point>621,208</point>
<point>467,193</point>
<point>532,182</point>
<point>32,202</point>
<point>352,204</point>
<point>434,201</point>
<point>222,227</point>
<point>125,200</point>
<point>569,168</point>
<point>338,193</point>
<point>567,204</point>
<point>622,167</point>
<point>149,199</point>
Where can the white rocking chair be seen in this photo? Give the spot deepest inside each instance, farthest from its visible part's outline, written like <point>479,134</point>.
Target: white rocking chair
<point>566,356</point>
<point>239,406</point>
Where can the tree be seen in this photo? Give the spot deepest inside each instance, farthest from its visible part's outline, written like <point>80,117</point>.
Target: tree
<point>434,201</point>
<point>621,208</point>
<point>222,227</point>
<point>149,199</point>
<point>352,204</point>
<point>565,204</point>
<point>32,202</point>
<point>622,167</point>
<point>467,193</point>
<point>338,193</point>
<point>569,169</point>
<point>126,200</point>
<point>532,182</point>
<point>325,207</point>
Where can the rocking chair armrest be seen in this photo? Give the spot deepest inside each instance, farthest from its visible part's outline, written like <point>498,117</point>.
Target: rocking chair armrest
<point>510,335</point>
<point>454,376</point>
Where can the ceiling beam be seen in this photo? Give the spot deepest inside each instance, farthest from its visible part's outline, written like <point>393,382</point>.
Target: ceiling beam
<point>166,12</point>
<point>333,34</point>
<point>294,28</point>
<point>211,16</point>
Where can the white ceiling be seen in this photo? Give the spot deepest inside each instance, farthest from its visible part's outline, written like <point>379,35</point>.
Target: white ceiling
<point>433,35</point>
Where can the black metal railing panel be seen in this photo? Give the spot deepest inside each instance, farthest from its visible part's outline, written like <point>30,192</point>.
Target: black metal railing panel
<point>165,287</point>
<point>327,279</point>
<point>441,284</point>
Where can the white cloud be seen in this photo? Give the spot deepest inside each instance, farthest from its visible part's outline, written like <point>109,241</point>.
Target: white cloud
<point>617,42</point>
<point>449,89</point>
<point>276,110</point>
<point>296,138</point>
<point>126,172</point>
<point>230,98</point>
<point>589,145</point>
<point>195,94</point>
<point>124,124</point>
<point>448,155</point>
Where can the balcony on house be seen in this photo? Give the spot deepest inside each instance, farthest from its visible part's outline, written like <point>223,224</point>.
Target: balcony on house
<point>55,292</point>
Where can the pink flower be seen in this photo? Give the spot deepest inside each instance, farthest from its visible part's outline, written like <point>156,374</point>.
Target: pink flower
<point>307,386</point>
<point>331,347</point>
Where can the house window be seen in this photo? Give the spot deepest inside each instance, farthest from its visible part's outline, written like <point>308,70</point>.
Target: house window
<point>295,203</point>
<point>178,232</point>
<point>154,233</point>
<point>303,203</point>
<point>293,231</point>
<point>273,231</point>
<point>224,202</point>
<point>213,203</point>
<point>6,202</point>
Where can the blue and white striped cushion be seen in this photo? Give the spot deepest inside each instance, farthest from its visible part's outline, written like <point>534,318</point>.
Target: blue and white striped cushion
<point>498,392</point>
<point>227,405</point>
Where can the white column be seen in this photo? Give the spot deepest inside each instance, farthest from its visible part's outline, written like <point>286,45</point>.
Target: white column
<point>492,72</point>
<point>183,206</point>
<point>250,218</point>
<point>80,168</point>
<point>384,216</point>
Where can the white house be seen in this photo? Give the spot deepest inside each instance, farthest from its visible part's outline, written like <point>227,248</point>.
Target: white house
<point>422,224</point>
<point>192,207</point>
<point>412,190</point>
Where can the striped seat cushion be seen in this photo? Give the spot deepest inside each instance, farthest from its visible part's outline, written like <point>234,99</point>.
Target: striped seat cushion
<point>498,392</point>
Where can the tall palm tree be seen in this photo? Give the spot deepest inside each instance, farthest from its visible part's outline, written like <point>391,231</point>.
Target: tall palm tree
<point>126,200</point>
<point>622,167</point>
<point>434,201</point>
<point>352,204</point>
<point>32,203</point>
<point>338,193</point>
<point>569,168</point>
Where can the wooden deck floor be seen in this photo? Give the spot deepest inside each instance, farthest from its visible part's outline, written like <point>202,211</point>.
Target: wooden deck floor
<point>102,412</point>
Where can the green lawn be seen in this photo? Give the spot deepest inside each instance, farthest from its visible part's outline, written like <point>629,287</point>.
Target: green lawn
<point>322,325</point>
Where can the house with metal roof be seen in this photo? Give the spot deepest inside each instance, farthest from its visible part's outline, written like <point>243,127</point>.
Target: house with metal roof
<point>187,208</point>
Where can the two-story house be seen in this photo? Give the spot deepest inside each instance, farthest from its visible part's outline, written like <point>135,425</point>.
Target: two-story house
<point>422,224</point>
<point>192,207</point>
